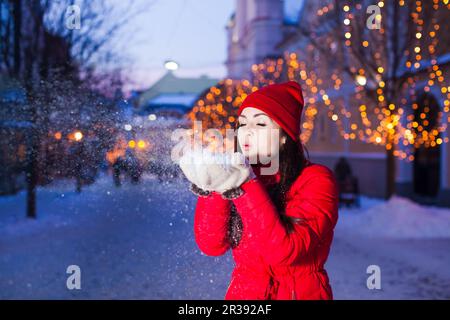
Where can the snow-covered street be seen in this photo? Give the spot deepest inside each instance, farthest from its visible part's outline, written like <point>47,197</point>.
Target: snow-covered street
<point>136,242</point>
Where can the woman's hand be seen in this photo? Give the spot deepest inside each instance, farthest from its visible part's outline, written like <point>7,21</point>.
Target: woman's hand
<point>191,164</point>
<point>215,171</point>
<point>232,171</point>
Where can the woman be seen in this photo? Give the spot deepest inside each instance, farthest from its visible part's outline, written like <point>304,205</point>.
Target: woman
<point>279,226</point>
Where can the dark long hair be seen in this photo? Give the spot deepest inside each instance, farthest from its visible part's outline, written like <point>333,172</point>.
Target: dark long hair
<point>292,161</point>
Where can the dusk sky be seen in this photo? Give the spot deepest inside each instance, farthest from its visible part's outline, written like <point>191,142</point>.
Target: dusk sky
<point>191,32</point>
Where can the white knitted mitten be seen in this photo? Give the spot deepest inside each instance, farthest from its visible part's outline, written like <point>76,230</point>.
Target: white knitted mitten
<point>215,171</point>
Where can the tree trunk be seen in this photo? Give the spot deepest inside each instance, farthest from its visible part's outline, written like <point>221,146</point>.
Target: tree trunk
<point>390,173</point>
<point>391,169</point>
<point>32,175</point>
<point>17,36</point>
<point>33,139</point>
<point>31,59</point>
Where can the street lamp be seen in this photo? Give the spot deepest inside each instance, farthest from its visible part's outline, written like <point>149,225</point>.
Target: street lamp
<point>171,65</point>
<point>78,135</point>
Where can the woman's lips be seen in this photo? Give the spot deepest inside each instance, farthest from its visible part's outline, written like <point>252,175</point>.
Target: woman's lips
<point>246,146</point>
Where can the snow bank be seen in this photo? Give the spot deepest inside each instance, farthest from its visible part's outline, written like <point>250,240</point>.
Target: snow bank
<point>397,218</point>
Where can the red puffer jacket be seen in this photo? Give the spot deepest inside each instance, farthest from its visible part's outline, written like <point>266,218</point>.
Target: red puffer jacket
<point>270,262</point>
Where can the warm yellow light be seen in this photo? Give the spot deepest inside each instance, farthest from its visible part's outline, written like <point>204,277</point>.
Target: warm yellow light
<point>361,80</point>
<point>132,144</point>
<point>58,135</point>
<point>141,144</point>
<point>334,117</point>
<point>78,135</point>
<point>348,35</point>
<point>378,139</point>
<point>346,8</point>
<point>380,69</point>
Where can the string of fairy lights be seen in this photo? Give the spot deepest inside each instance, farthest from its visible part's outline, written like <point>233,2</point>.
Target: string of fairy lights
<point>396,125</point>
<point>390,130</point>
<point>217,108</point>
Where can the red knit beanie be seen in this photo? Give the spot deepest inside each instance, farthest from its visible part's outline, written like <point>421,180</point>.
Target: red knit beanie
<point>282,102</point>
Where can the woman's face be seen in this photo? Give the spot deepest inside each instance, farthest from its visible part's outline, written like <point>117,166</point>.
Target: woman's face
<point>258,135</point>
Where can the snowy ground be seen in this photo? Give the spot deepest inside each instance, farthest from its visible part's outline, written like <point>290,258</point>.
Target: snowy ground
<point>136,242</point>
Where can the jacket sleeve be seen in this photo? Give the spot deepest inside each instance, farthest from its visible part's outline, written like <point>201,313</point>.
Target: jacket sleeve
<point>211,224</point>
<point>315,202</point>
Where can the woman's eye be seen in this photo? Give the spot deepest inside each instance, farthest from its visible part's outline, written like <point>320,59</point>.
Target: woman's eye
<point>261,124</point>
<point>241,124</point>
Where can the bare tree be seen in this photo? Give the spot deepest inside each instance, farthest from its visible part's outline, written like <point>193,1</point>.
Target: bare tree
<point>55,62</point>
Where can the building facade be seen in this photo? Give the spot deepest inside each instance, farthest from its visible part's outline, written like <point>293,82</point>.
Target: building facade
<point>172,96</point>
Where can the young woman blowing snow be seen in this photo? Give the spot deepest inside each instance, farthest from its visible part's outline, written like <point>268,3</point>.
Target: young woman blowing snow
<point>279,226</point>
